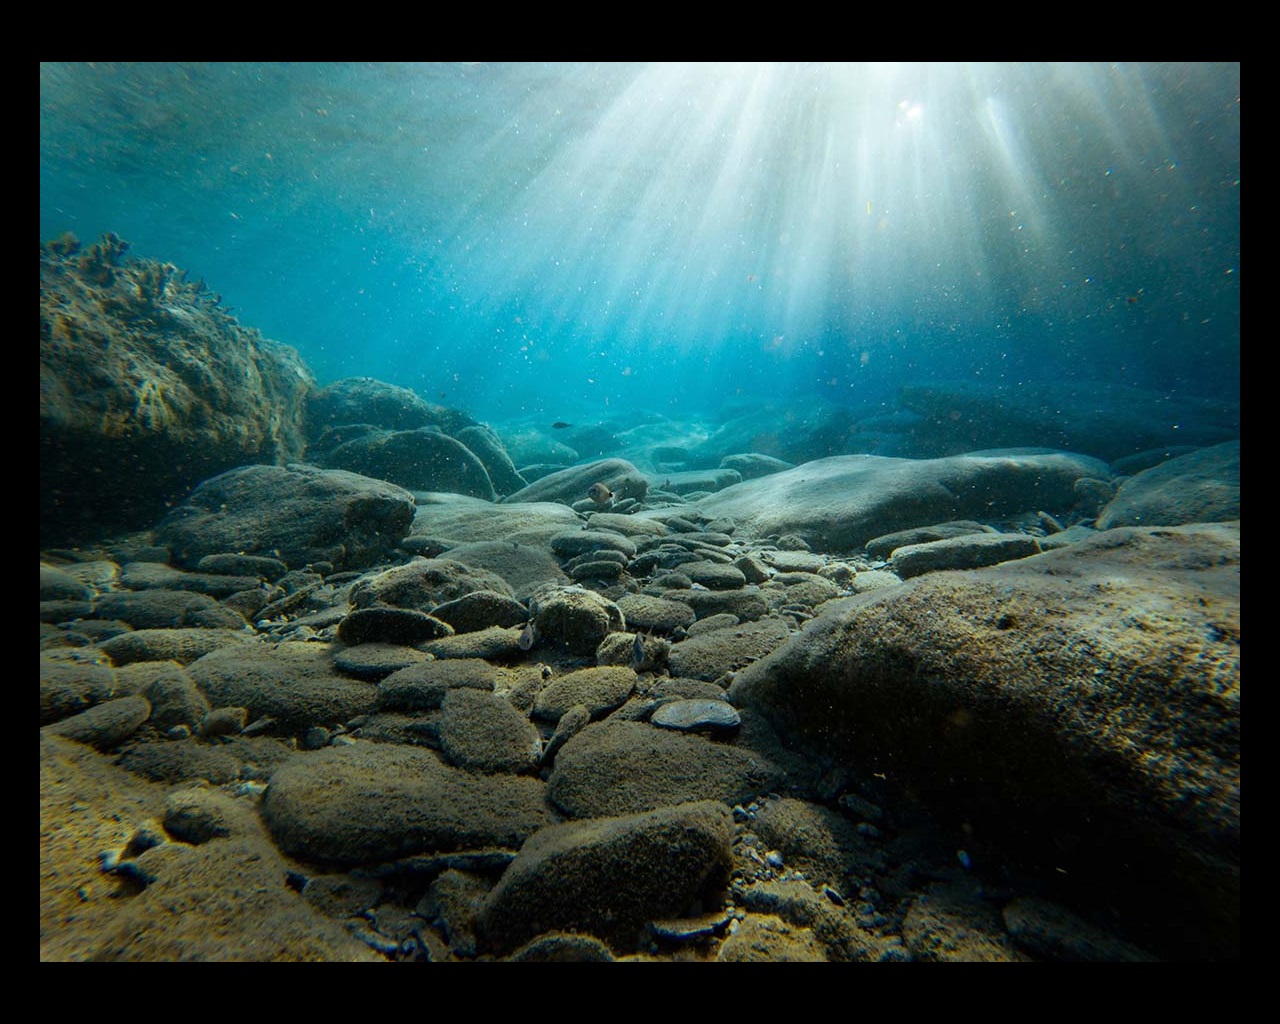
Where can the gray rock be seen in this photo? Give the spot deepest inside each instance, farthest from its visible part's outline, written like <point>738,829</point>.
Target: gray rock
<point>378,404</point>
<point>575,617</point>
<point>526,566</point>
<point>1100,418</point>
<point>487,447</point>
<point>709,656</point>
<point>425,459</point>
<point>424,583</point>
<point>1200,487</point>
<point>481,609</point>
<point>422,687</point>
<point>378,624</point>
<point>58,585</point>
<point>570,485</point>
<point>713,717</point>
<point>68,688</point>
<point>839,504</point>
<point>750,465</point>
<point>181,645</point>
<point>644,612</point>
<point>883,547</point>
<point>966,552</point>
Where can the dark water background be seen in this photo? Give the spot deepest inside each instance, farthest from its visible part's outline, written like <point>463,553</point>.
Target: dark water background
<point>580,239</point>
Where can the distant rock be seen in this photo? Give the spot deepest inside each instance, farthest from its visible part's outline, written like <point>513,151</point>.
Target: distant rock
<point>1200,487</point>
<point>751,465</point>
<point>378,404</point>
<point>425,459</point>
<point>570,485</point>
<point>841,503</point>
<point>1105,420</point>
<point>298,514</point>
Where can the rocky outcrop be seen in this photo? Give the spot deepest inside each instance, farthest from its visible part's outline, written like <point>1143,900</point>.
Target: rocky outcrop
<point>147,386</point>
<point>1079,709</point>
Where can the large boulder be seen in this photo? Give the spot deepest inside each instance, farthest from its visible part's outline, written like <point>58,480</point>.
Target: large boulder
<point>1075,714</point>
<point>840,503</point>
<point>148,386</point>
<point>298,514</point>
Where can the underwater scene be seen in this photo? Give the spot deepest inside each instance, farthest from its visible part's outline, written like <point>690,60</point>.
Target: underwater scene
<point>639,511</point>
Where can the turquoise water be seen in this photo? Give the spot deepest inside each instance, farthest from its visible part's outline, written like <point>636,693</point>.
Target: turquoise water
<point>575,239</point>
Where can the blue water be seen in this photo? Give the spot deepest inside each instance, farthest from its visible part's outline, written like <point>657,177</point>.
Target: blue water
<point>580,239</point>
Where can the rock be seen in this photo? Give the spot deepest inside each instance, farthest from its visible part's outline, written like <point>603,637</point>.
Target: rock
<point>764,938</point>
<point>883,547</point>
<point>166,609</point>
<point>482,732</point>
<point>147,387</point>
<point>295,684</point>
<point>481,609</point>
<point>711,655</point>
<point>966,552</point>
<point>645,612</point>
<point>378,404</point>
<point>419,460</point>
<point>235,906</point>
<point>526,567</point>
<point>296,513</point>
<point>422,687</point>
<point>599,689</point>
<point>570,485</point>
<point>609,877</point>
<point>839,504</point>
<point>952,924</point>
<point>578,542</point>
<point>373,802</point>
<point>59,585</point>
<point>750,465</point>
<point>619,767</point>
<point>1081,706</point>
<point>1050,932</point>
<point>104,725</point>
<point>713,717</point>
<point>574,617</point>
<point>378,624</point>
<point>1100,418</point>
<point>1200,487</point>
<point>698,480</point>
<point>424,583</point>
<point>68,688</point>
<point>181,645</point>
<point>485,444</point>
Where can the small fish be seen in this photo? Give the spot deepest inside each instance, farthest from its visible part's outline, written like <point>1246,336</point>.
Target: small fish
<point>560,425</point>
<point>599,493</point>
<point>528,636</point>
<point>637,651</point>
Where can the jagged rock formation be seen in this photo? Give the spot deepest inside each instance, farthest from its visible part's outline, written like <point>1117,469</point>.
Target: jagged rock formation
<point>147,387</point>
